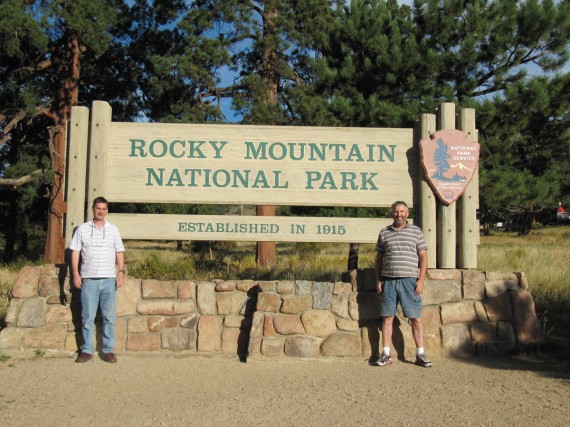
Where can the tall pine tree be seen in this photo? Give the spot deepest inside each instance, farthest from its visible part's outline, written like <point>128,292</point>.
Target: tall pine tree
<point>525,141</point>
<point>264,44</point>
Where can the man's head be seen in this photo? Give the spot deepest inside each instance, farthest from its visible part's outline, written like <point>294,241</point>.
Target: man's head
<point>100,208</point>
<point>400,213</point>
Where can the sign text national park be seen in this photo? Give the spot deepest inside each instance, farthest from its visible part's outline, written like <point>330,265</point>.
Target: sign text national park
<point>258,164</point>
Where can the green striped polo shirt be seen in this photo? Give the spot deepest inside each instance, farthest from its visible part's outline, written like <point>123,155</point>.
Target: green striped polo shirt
<point>400,250</point>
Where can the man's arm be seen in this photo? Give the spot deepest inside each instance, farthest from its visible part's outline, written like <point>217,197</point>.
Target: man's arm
<point>77,282</point>
<point>121,263</point>
<point>423,255</point>
<point>378,269</point>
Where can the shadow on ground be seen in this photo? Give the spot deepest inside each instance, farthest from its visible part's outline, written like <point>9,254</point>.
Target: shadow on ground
<point>550,359</point>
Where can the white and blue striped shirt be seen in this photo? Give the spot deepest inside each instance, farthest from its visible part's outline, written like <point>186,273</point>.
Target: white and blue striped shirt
<point>98,247</point>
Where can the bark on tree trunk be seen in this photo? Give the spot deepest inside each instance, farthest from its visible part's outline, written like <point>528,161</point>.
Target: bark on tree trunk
<point>353,256</point>
<point>265,250</point>
<point>69,70</point>
<point>55,246</point>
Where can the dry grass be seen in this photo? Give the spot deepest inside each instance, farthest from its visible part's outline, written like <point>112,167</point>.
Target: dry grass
<point>544,255</point>
<point>295,261</point>
<point>7,277</point>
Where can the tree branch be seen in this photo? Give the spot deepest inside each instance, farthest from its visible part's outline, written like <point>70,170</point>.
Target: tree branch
<point>39,67</point>
<point>48,113</point>
<point>8,128</point>
<point>16,182</point>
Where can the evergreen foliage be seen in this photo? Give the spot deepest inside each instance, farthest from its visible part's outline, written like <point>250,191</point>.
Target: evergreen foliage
<point>302,62</point>
<point>525,139</point>
<point>45,44</point>
<point>263,45</point>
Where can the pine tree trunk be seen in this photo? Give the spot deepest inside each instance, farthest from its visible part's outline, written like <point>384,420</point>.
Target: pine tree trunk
<point>353,256</point>
<point>55,246</point>
<point>68,96</point>
<point>265,250</point>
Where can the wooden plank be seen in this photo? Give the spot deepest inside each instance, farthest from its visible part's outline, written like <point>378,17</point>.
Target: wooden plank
<point>447,223</point>
<point>279,165</point>
<point>427,211</point>
<point>100,122</point>
<point>76,170</point>
<point>248,228</point>
<point>469,202</point>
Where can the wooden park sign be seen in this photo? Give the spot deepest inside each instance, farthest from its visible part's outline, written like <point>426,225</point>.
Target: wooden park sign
<point>238,165</point>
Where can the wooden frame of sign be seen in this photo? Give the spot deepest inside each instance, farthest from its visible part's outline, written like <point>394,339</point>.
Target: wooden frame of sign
<point>236,164</point>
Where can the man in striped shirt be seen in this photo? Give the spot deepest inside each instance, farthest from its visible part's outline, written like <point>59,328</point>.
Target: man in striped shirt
<point>401,249</point>
<point>99,244</point>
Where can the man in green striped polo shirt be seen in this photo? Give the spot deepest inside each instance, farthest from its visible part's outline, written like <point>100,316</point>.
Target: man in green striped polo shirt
<point>401,266</point>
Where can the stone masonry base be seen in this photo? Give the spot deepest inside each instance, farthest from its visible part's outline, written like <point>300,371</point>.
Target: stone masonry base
<point>466,312</point>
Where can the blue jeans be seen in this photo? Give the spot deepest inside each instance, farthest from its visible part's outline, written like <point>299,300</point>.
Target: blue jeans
<point>95,292</point>
<point>402,290</point>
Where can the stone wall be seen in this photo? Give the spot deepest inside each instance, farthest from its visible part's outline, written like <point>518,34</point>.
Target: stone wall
<point>465,312</point>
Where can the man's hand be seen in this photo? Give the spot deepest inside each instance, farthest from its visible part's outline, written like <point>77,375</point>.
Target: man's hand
<point>120,279</point>
<point>77,282</point>
<point>419,286</point>
<point>379,286</point>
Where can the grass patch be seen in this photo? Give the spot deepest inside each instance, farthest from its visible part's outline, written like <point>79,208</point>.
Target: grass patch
<point>8,275</point>
<point>295,261</point>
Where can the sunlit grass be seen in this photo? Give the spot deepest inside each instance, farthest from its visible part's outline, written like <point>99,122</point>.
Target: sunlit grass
<point>544,255</point>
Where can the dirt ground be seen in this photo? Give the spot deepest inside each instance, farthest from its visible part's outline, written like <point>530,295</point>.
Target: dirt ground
<point>159,390</point>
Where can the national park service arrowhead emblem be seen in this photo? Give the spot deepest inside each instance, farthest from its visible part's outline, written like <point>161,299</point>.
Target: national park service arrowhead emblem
<point>449,160</point>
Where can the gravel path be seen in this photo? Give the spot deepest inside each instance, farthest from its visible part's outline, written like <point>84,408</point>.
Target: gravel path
<point>158,390</point>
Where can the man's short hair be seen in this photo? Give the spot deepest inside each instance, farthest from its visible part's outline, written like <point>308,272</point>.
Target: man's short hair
<point>100,199</point>
<point>398,203</point>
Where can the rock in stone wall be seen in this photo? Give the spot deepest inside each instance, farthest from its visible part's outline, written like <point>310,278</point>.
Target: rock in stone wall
<point>465,312</point>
